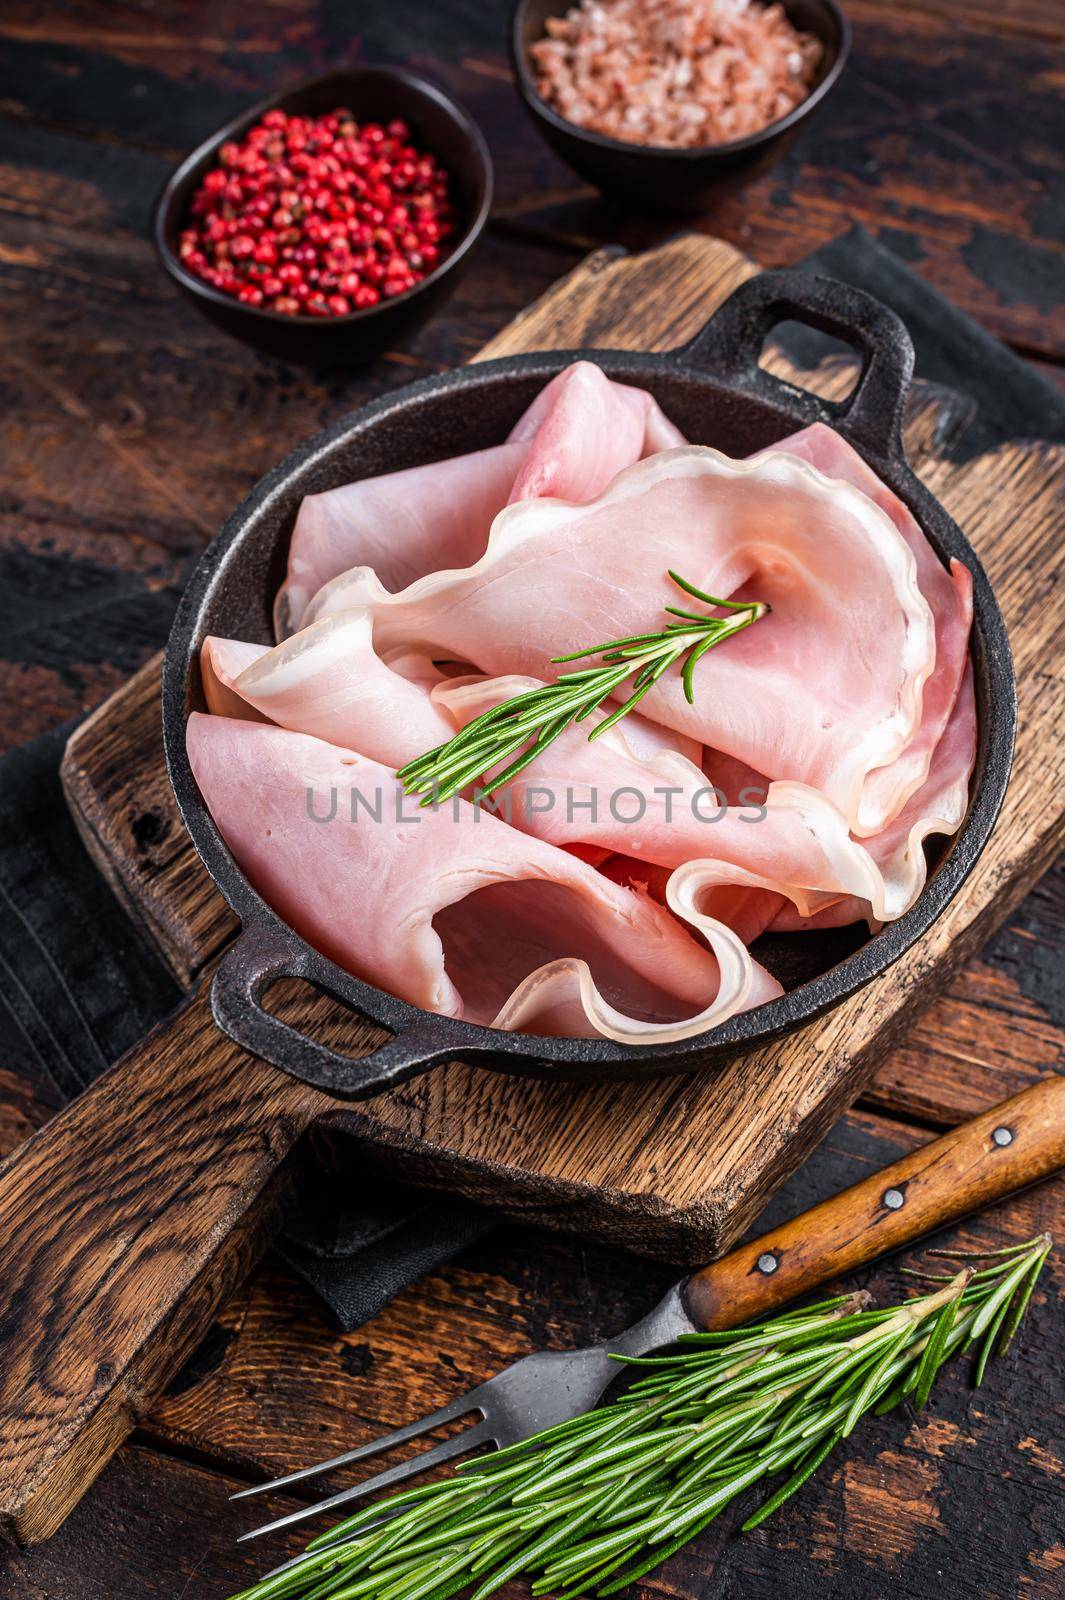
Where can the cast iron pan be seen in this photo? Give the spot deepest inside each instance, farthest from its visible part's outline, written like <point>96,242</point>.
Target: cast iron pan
<point>716,392</point>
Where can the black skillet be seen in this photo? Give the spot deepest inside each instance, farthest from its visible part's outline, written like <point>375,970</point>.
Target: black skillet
<point>130,1217</point>
<point>717,393</point>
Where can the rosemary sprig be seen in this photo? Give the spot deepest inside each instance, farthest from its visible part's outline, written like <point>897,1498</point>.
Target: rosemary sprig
<point>540,715</point>
<point>593,1504</point>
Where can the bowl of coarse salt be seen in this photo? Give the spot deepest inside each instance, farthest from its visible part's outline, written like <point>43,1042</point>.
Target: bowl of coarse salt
<point>672,104</point>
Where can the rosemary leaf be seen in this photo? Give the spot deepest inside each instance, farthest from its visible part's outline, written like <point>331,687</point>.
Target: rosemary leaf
<point>806,1468</point>
<point>1020,1302</point>
<point>524,726</point>
<point>933,1355</point>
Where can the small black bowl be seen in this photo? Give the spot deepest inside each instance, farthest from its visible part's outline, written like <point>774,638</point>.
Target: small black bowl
<point>373,94</point>
<point>658,176</point>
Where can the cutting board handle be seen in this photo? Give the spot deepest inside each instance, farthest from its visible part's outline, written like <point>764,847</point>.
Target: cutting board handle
<point>1008,1147</point>
<point>124,1223</point>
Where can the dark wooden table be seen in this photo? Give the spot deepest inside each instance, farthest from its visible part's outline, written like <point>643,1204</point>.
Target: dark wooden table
<point>129,428</point>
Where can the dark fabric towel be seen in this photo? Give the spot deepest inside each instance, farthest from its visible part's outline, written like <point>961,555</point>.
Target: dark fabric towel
<point>78,984</point>
<point>1007,398</point>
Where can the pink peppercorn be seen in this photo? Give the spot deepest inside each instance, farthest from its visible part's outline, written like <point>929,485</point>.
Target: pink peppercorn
<point>278,222</point>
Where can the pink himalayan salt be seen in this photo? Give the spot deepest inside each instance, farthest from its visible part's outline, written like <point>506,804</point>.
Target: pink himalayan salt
<point>674,72</point>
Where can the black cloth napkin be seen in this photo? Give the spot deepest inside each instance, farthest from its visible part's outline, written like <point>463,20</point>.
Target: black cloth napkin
<point>78,984</point>
<point>1000,396</point>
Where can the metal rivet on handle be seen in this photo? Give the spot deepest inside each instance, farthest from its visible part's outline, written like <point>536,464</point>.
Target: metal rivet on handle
<point>767,1262</point>
<point>1003,1136</point>
<point>894,1199</point>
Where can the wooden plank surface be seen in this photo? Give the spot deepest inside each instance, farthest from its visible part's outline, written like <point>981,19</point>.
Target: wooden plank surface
<point>970,1490</point>
<point>928,139</point>
<point>675,1168</point>
<point>128,429</point>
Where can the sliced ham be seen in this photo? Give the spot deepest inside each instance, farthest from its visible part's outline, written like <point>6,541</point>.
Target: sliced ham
<point>950,596</point>
<point>620,882</point>
<point>582,430</point>
<point>663,811</point>
<point>938,807</point>
<point>453,910</point>
<point>221,663</point>
<point>328,681</point>
<point>747,911</point>
<point>403,525</point>
<point>646,738</point>
<point>578,433</point>
<point>824,691</point>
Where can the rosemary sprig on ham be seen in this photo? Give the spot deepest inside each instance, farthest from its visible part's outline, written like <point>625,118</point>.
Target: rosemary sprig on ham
<point>538,716</point>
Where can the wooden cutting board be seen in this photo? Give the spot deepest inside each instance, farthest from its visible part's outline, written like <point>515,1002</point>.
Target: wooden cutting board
<point>676,1167</point>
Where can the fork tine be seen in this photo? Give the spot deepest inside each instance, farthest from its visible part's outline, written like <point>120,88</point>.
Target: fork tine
<point>459,1445</point>
<point>471,1401</point>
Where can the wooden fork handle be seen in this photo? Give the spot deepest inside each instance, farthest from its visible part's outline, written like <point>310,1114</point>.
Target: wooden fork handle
<point>123,1225</point>
<point>1008,1147</point>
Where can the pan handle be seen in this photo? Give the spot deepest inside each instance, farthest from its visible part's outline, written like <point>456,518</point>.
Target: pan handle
<point>732,341</point>
<point>256,961</point>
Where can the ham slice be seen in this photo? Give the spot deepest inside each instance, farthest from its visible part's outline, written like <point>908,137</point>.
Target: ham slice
<point>950,596</point>
<point>661,810</point>
<point>453,910</point>
<point>403,524</point>
<point>221,663</point>
<point>583,429</point>
<point>578,433</point>
<point>748,911</point>
<point>646,738</point>
<point>328,681</point>
<point>824,691</point>
<point>938,807</point>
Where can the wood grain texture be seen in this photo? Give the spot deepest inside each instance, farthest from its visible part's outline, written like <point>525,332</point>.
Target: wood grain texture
<point>894,1515</point>
<point>124,1224</point>
<point>133,830</point>
<point>944,135</point>
<point>273,1386</point>
<point>129,428</point>
<point>1015,1144</point>
<point>677,1168</point>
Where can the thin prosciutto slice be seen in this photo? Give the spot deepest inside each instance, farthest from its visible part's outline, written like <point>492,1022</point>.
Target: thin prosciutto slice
<point>575,437</point>
<point>328,681</point>
<point>824,691</point>
<point>453,910</point>
<point>949,594</point>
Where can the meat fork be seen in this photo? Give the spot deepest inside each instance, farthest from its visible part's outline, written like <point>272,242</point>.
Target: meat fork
<point>1008,1147</point>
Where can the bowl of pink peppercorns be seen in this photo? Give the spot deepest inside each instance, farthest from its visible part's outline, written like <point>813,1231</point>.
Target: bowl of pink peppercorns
<point>327,222</point>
